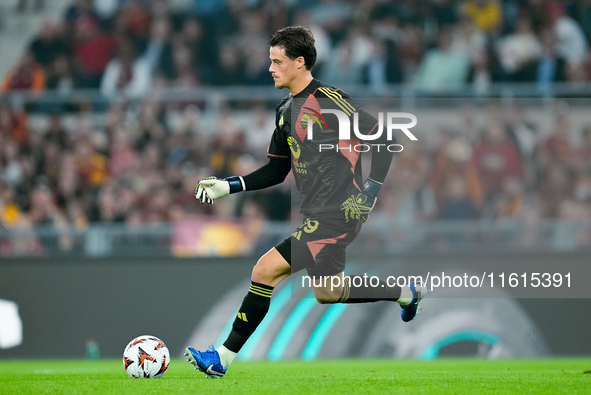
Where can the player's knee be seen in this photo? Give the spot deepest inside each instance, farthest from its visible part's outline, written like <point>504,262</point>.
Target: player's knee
<point>270,270</point>
<point>261,272</point>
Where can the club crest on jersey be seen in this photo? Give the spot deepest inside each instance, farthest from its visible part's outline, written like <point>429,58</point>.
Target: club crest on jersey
<point>313,115</point>
<point>308,114</point>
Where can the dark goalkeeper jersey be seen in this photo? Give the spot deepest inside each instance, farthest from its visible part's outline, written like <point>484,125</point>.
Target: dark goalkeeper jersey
<point>326,168</point>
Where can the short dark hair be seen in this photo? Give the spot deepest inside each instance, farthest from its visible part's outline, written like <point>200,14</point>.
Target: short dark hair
<point>296,41</point>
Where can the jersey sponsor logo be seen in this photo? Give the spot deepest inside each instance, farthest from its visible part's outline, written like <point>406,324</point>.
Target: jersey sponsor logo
<point>300,168</point>
<point>294,147</point>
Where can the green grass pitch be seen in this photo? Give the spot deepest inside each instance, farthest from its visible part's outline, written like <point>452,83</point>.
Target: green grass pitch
<point>352,376</point>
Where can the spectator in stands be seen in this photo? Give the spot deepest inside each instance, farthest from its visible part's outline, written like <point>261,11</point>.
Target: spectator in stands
<point>67,187</point>
<point>12,171</point>
<point>351,57</point>
<point>582,72</point>
<point>253,24</point>
<point>486,14</point>
<point>256,69</point>
<point>467,37</point>
<point>411,49</point>
<point>158,52</point>
<point>93,49</point>
<point>60,75</point>
<point>105,208</point>
<point>480,75</point>
<point>230,70</point>
<point>49,162</point>
<point>442,69</point>
<point>10,211</point>
<point>519,52</point>
<point>50,42</point>
<point>90,164</point>
<point>26,75</point>
<point>555,187</point>
<point>584,153</point>
<point>409,198</point>
<point>122,157</point>
<point>508,204</point>
<point>582,187</point>
<point>126,75</point>
<point>572,230</point>
<point>76,215</point>
<point>322,39</point>
<point>133,21</point>
<point>193,35</point>
<point>333,15</point>
<point>496,158</point>
<point>13,123</point>
<point>552,66</point>
<point>227,147</point>
<point>524,133</point>
<point>572,43</point>
<point>384,67</point>
<point>457,204</point>
<point>43,208</point>
<point>556,149</point>
<point>452,160</point>
<point>259,125</point>
<point>24,241</point>
<point>77,11</point>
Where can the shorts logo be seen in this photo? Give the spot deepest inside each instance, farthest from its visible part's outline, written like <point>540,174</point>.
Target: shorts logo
<point>309,226</point>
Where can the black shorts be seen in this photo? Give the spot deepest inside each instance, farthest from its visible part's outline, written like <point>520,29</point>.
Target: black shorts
<point>319,244</point>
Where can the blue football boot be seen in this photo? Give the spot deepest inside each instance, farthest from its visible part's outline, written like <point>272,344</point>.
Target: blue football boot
<point>409,311</point>
<point>206,361</point>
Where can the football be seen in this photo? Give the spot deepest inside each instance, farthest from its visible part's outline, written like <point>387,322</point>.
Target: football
<point>146,357</point>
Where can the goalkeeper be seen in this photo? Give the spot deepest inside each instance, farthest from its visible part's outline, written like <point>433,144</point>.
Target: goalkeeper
<point>335,200</point>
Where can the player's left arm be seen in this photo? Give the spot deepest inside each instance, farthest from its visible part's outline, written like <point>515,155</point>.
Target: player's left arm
<point>358,207</point>
<point>381,159</point>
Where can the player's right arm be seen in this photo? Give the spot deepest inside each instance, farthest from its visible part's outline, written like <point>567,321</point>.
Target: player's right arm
<point>274,172</point>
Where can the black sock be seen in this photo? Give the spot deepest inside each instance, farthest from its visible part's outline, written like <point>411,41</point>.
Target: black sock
<point>365,292</point>
<point>254,308</point>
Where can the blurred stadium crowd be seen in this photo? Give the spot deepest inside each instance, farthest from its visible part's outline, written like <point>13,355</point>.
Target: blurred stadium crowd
<point>433,45</point>
<point>139,167</point>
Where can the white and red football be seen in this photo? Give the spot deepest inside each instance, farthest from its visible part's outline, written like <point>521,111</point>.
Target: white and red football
<point>146,357</point>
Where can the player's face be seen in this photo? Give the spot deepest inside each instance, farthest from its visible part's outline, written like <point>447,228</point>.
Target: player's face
<point>284,70</point>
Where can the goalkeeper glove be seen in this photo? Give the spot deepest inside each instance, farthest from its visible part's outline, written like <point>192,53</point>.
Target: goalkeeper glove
<point>212,188</point>
<point>358,207</point>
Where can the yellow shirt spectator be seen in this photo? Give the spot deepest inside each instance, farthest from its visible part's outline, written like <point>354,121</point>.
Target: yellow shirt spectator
<point>486,14</point>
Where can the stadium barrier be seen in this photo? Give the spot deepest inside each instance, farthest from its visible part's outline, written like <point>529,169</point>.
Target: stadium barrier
<point>65,304</point>
<point>167,240</point>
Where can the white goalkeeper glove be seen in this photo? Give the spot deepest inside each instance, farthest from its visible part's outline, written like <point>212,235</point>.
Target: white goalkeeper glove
<point>212,188</point>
